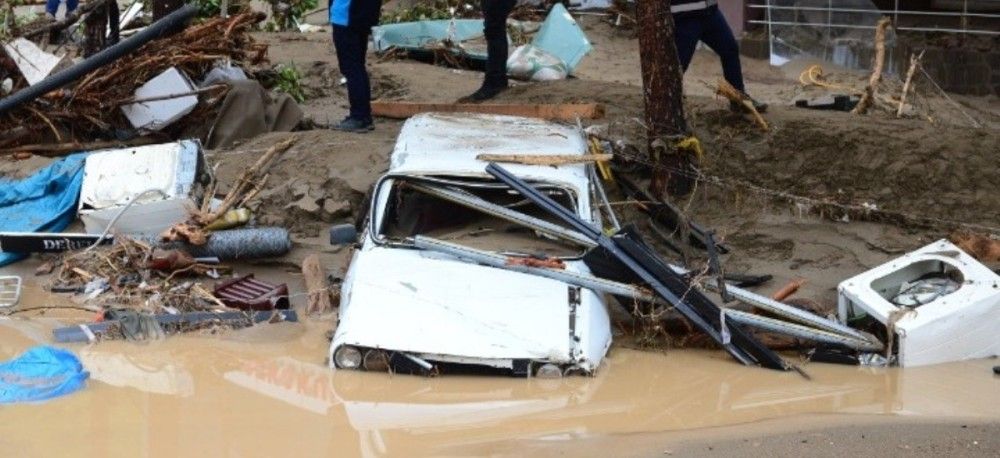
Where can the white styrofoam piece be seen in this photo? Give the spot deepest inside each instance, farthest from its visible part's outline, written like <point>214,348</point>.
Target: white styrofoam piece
<point>33,63</point>
<point>129,15</point>
<point>958,326</point>
<point>113,178</point>
<point>155,115</point>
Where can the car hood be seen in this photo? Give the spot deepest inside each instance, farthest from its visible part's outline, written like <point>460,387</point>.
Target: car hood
<point>426,303</point>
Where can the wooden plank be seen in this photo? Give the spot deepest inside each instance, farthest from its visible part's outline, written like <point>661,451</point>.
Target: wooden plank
<point>315,279</point>
<point>555,112</point>
<point>551,159</point>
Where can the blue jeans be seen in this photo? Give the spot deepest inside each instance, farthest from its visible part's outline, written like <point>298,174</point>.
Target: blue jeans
<point>710,27</point>
<point>51,6</point>
<point>352,44</point>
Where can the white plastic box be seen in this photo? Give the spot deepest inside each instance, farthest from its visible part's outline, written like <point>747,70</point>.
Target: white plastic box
<point>157,114</point>
<point>113,178</point>
<point>963,324</point>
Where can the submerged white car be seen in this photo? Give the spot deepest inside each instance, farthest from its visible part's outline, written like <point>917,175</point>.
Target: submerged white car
<point>410,304</point>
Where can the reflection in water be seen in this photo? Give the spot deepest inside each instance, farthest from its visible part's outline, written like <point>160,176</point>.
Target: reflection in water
<point>208,396</point>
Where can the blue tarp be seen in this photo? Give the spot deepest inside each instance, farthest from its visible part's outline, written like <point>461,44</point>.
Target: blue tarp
<point>40,373</point>
<point>421,35</point>
<point>43,202</point>
<point>561,36</point>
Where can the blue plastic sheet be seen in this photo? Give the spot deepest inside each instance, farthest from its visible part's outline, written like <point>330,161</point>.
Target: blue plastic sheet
<point>417,36</point>
<point>43,202</point>
<point>40,373</point>
<point>562,37</point>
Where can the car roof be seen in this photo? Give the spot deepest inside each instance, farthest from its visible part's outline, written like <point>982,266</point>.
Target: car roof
<point>448,143</point>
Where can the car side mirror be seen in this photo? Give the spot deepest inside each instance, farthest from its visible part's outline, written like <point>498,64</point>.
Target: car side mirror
<point>343,234</point>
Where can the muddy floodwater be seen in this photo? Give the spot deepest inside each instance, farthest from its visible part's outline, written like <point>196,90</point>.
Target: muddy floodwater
<point>265,391</point>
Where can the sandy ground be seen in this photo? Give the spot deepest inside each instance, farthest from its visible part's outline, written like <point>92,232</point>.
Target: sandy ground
<point>925,179</point>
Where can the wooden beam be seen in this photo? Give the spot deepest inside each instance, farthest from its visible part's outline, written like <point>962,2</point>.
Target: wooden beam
<point>556,112</point>
<point>315,280</point>
<point>548,159</point>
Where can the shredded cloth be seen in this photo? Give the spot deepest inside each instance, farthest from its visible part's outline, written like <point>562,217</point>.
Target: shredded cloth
<point>136,325</point>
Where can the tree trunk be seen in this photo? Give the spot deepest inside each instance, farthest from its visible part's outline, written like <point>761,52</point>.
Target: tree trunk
<point>663,97</point>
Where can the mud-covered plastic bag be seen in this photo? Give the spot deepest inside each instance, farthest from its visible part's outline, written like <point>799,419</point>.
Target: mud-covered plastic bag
<point>40,373</point>
<point>529,62</point>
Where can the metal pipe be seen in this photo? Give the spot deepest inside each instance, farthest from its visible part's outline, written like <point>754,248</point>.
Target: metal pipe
<point>787,311</point>
<point>502,262</point>
<point>164,27</point>
<point>802,332</point>
<point>476,203</point>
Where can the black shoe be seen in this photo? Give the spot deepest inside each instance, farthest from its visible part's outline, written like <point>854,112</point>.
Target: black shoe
<point>484,93</point>
<point>740,108</point>
<point>350,124</point>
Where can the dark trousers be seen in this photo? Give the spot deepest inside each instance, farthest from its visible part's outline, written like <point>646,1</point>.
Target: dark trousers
<point>352,45</point>
<point>495,14</point>
<point>710,27</point>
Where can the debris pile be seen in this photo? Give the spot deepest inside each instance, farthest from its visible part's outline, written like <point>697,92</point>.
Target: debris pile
<point>90,108</point>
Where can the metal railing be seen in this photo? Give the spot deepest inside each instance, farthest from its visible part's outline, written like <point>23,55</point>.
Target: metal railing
<point>895,12</point>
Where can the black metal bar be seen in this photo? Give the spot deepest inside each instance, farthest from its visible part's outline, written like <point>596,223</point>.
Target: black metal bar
<point>667,214</point>
<point>166,26</point>
<point>653,272</point>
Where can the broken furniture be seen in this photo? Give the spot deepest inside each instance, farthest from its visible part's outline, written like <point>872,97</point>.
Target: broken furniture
<point>91,332</point>
<point>143,190</point>
<point>248,293</point>
<point>936,304</point>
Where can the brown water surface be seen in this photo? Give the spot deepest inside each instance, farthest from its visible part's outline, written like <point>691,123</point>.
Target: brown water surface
<point>265,391</point>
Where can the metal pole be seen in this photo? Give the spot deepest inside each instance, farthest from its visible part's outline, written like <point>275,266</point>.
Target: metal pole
<point>802,332</point>
<point>475,203</point>
<point>565,276</point>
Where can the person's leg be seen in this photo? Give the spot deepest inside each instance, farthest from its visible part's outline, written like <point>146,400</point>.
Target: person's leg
<point>495,14</point>
<point>361,102</point>
<point>718,36</point>
<point>52,7</point>
<point>351,47</point>
<point>687,32</point>
<point>71,5</point>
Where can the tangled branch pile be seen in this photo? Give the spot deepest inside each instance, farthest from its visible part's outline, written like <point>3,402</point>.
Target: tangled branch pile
<point>90,109</point>
<point>133,275</point>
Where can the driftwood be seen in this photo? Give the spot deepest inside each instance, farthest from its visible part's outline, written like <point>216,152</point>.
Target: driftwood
<point>869,95</point>
<point>914,63</point>
<point>247,183</point>
<point>551,160</point>
<point>728,91</point>
<point>558,112</point>
<point>315,280</point>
